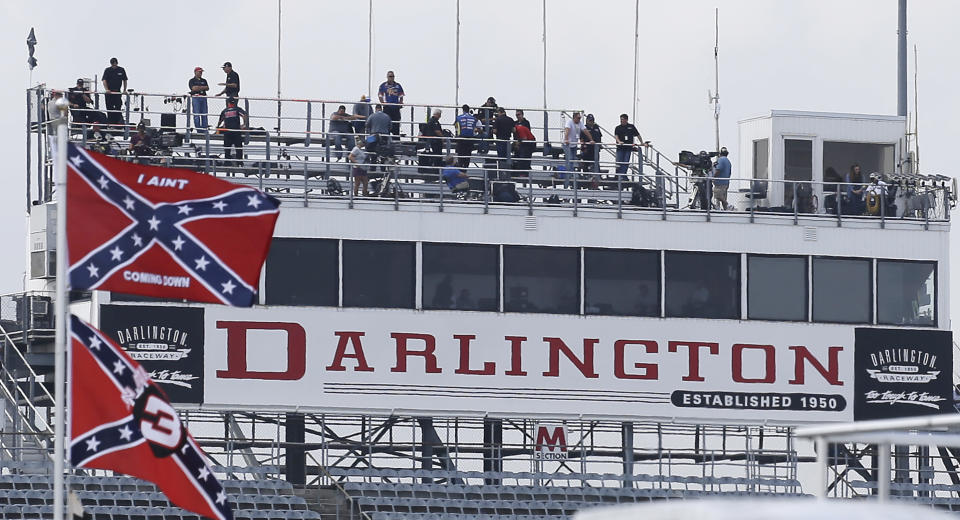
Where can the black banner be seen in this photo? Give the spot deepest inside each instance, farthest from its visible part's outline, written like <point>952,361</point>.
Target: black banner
<point>167,341</point>
<point>902,372</point>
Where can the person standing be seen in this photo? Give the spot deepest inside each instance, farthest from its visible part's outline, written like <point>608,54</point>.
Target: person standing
<point>523,121</point>
<point>340,128</point>
<point>485,113</point>
<point>721,179</point>
<point>231,86</point>
<point>434,134</point>
<point>591,148</point>
<point>358,168</point>
<point>391,97</point>
<point>466,131</point>
<point>115,83</point>
<point>572,134</point>
<point>198,98</point>
<point>361,111</point>
<point>503,126</point>
<point>526,144</point>
<point>233,120</point>
<point>624,133</point>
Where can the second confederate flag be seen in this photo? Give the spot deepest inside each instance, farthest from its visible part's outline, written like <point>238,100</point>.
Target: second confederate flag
<point>120,420</point>
<point>164,232</point>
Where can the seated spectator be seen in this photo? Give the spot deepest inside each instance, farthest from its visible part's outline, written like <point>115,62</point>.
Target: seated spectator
<point>102,141</point>
<point>456,180</point>
<point>358,168</point>
<point>853,203</point>
<point>140,142</point>
<point>340,130</point>
<point>80,100</point>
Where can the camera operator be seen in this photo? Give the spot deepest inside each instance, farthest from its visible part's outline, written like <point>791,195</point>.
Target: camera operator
<point>79,99</point>
<point>721,179</point>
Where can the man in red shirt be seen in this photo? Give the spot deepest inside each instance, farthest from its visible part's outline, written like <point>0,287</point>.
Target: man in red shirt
<point>526,144</point>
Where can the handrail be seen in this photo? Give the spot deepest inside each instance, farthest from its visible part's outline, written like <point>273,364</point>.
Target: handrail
<point>323,469</point>
<point>16,349</point>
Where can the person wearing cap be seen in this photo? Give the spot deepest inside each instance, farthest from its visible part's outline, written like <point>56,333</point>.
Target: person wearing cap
<point>624,133</point>
<point>503,127</point>
<point>114,82</point>
<point>591,137</point>
<point>572,134</point>
<point>361,111</point>
<point>231,86</point>
<point>876,199</point>
<point>198,98</point>
<point>233,120</point>
<point>79,98</point>
<point>466,126</point>
<point>485,114</point>
<point>391,97</point>
<point>721,179</point>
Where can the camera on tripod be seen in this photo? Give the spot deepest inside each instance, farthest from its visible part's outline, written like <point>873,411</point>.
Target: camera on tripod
<point>698,162</point>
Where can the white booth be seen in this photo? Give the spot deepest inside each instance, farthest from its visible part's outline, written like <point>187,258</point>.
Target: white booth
<point>821,147</point>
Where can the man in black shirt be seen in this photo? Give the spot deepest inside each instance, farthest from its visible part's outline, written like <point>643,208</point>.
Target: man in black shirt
<point>503,128</point>
<point>78,98</point>
<point>485,114</point>
<point>231,87</point>
<point>114,82</point>
<point>198,98</point>
<point>591,144</point>
<point>233,120</point>
<point>434,133</point>
<point>624,133</point>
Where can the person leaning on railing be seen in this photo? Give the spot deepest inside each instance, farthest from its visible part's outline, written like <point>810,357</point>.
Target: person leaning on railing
<point>114,82</point>
<point>340,130</point>
<point>624,133</point>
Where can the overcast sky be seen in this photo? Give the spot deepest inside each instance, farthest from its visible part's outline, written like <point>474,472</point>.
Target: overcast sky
<point>821,55</point>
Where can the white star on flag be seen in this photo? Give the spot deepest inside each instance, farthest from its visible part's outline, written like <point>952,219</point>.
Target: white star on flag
<point>125,433</point>
<point>76,160</point>
<point>92,444</point>
<point>219,205</point>
<point>254,201</point>
<point>178,243</point>
<point>93,270</point>
<point>221,497</point>
<point>204,473</point>
<point>202,263</point>
<point>128,203</point>
<point>103,182</point>
<point>228,287</point>
<point>137,240</point>
<point>118,367</point>
<point>95,343</point>
<point>153,222</point>
<point>116,253</point>
<point>184,210</point>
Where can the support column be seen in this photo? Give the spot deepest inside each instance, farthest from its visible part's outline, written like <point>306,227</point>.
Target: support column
<point>901,468</point>
<point>296,455</point>
<point>427,435</point>
<point>626,432</point>
<point>492,449</point>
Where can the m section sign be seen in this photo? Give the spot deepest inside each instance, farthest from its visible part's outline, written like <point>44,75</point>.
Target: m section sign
<point>540,366</point>
<point>166,341</point>
<point>903,372</point>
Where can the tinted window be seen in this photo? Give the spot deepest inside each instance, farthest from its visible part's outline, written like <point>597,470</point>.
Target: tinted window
<point>301,271</point>
<point>378,274</point>
<point>841,290</point>
<point>777,288</point>
<point>906,293</point>
<point>621,283</point>
<point>461,276</point>
<point>702,285</point>
<point>541,279</point>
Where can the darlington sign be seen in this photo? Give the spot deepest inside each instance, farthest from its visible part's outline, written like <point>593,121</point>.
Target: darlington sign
<point>529,365</point>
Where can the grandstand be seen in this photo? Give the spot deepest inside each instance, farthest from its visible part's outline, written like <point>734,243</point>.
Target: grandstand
<point>343,442</point>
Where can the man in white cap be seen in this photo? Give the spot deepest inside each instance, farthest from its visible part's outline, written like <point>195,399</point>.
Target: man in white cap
<point>198,97</point>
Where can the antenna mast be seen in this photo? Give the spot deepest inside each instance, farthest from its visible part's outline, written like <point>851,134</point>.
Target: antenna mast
<point>715,97</point>
<point>916,114</point>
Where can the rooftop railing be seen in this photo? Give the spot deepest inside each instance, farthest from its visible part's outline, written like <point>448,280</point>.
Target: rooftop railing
<point>306,162</point>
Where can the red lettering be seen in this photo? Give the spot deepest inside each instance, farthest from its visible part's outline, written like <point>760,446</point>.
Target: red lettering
<point>770,363</point>
<point>429,346</point>
<point>516,360</point>
<point>693,373</point>
<point>650,370</point>
<point>237,350</point>
<point>585,366</point>
<point>831,375</point>
<point>489,367</point>
<point>353,338</point>
<point>545,440</point>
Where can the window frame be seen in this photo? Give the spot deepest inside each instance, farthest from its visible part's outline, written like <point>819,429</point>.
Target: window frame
<point>808,311</point>
<point>739,282</point>
<point>936,292</point>
<point>871,286</point>
<point>498,274</point>
<point>660,277</point>
<point>266,270</point>
<point>579,279</point>
<point>413,273</point>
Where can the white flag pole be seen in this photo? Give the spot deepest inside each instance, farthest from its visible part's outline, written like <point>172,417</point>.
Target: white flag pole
<point>61,309</point>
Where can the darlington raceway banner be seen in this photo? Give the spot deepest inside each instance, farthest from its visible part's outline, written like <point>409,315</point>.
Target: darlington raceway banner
<point>166,341</point>
<point>446,363</point>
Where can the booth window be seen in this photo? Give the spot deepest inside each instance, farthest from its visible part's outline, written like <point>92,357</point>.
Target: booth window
<point>461,276</point>
<point>702,285</point>
<point>842,290</point>
<point>906,293</point>
<point>378,274</point>
<point>301,271</point>
<point>620,282</point>
<point>541,279</point>
<point>797,166</point>
<point>761,154</point>
<point>777,288</point>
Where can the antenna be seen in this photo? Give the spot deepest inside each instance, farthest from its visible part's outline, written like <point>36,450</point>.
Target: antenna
<point>916,114</point>
<point>715,97</point>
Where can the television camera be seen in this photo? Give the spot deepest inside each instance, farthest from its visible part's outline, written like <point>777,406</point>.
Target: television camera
<point>698,162</point>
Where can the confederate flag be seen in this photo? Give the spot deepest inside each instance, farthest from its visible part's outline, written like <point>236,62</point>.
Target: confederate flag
<point>164,232</point>
<point>121,421</point>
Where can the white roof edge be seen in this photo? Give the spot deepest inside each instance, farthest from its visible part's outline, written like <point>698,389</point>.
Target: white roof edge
<point>828,115</point>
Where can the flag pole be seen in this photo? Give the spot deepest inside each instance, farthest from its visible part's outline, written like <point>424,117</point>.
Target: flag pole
<point>61,309</point>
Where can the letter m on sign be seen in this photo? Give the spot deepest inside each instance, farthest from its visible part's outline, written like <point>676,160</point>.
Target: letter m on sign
<point>551,442</point>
